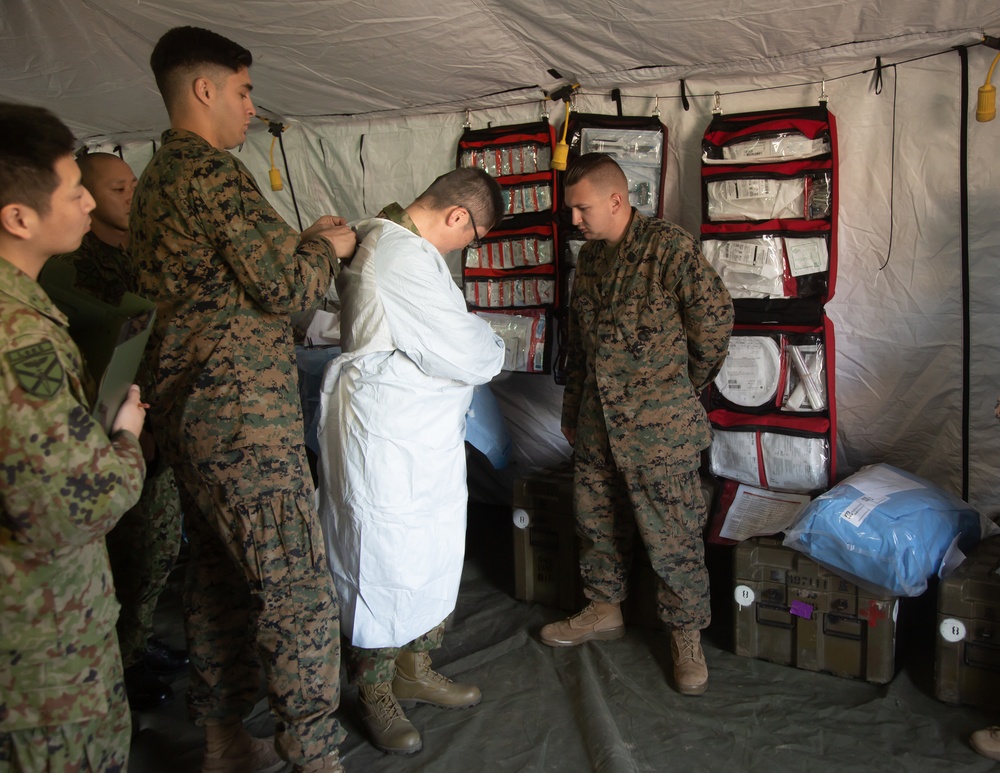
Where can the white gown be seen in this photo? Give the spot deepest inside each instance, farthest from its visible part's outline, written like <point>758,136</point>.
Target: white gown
<point>393,489</point>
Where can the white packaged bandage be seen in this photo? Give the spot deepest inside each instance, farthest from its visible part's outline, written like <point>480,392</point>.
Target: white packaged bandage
<point>756,199</point>
<point>751,372</point>
<point>780,148</point>
<point>786,462</point>
<point>750,268</point>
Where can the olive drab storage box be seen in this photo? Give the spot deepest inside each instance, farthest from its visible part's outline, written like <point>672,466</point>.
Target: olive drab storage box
<point>546,548</point>
<point>792,611</point>
<point>967,653</point>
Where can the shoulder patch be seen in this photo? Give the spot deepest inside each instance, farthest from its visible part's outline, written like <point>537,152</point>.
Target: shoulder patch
<point>38,369</point>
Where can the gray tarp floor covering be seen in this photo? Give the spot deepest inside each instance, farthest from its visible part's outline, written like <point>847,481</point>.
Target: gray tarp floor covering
<point>609,706</point>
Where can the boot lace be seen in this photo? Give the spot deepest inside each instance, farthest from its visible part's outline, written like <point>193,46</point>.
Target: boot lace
<point>384,704</point>
<point>686,646</point>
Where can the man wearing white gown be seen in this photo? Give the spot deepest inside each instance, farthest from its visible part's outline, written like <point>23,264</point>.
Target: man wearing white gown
<point>392,454</point>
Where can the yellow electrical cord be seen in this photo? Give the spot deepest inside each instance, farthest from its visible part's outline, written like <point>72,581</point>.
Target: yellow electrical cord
<point>273,174</point>
<point>561,153</point>
<point>986,108</point>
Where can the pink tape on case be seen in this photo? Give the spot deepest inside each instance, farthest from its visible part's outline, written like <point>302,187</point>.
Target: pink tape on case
<point>801,609</point>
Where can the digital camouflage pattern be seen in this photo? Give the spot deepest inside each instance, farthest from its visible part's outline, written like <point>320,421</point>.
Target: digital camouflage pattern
<point>374,666</point>
<point>668,512</point>
<point>143,548</point>
<point>102,270</point>
<point>63,485</point>
<point>649,327</point>
<point>258,591</point>
<point>98,744</point>
<point>144,544</point>
<point>225,271</point>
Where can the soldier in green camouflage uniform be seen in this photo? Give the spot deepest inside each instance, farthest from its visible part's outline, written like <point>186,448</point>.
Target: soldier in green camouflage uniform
<point>648,330</point>
<point>225,272</point>
<point>146,541</point>
<point>63,482</point>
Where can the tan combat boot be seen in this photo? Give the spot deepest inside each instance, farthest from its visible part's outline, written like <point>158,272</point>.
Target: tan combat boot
<point>415,683</point>
<point>383,718</point>
<point>231,749</point>
<point>987,742</point>
<point>598,621</point>
<point>329,764</point>
<point>690,670</point>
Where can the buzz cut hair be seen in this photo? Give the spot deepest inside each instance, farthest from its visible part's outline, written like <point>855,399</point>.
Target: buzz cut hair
<point>32,140</point>
<point>467,187</point>
<point>182,51</point>
<point>600,168</point>
<point>90,162</point>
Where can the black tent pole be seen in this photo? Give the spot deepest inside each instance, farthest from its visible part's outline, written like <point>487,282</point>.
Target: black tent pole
<point>963,188</point>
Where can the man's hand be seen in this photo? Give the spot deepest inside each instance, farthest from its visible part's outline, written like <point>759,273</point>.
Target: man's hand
<point>570,434</point>
<point>132,414</point>
<point>336,231</point>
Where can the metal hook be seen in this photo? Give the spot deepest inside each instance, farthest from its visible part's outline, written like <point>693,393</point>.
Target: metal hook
<point>717,110</point>
<point>822,93</point>
<point>468,119</point>
<point>543,114</point>
<point>656,106</point>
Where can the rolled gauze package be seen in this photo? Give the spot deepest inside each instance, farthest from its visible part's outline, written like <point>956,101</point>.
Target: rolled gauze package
<point>751,372</point>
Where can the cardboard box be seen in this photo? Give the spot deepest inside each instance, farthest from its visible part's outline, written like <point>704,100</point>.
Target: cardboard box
<point>967,649</point>
<point>790,610</point>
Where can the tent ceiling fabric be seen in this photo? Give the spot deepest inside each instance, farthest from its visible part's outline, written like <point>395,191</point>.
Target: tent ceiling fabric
<point>89,59</point>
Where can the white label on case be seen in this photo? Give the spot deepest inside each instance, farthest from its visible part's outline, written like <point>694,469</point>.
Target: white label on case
<point>952,630</point>
<point>521,518</point>
<point>744,595</point>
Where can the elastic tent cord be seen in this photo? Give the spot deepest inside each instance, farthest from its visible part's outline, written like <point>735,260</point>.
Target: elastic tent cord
<point>291,188</point>
<point>963,189</point>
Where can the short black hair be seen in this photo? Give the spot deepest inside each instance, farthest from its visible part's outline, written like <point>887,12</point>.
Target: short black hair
<point>184,48</point>
<point>32,140</point>
<point>599,168</point>
<point>467,187</point>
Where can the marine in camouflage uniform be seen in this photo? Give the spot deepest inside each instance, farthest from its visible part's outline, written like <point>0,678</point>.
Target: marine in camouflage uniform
<point>63,486</point>
<point>225,271</point>
<point>146,541</point>
<point>649,328</point>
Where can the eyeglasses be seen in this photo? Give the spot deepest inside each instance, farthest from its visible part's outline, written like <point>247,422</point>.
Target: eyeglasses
<point>476,241</point>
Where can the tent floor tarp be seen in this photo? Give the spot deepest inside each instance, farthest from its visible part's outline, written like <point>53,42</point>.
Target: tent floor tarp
<point>609,706</point>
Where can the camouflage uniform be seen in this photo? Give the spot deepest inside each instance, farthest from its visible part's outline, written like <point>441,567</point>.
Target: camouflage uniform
<point>146,541</point>
<point>102,270</point>
<point>225,271</point>
<point>649,328</point>
<point>63,485</point>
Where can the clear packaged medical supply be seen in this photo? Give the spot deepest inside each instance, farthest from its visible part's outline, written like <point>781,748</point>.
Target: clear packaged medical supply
<point>776,461</point>
<point>750,268</point>
<point>762,149</point>
<point>769,198</point>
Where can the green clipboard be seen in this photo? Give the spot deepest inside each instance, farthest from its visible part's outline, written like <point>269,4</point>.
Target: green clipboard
<point>111,339</point>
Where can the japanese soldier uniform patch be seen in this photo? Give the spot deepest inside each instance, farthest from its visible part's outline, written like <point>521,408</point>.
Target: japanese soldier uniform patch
<point>38,369</point>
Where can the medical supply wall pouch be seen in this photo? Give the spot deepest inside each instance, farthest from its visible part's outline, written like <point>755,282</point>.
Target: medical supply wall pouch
<point>638,144</point>
<point>781,369</point>
<point>514,270</point>
<point>769,198</point>
<point>772,452</point>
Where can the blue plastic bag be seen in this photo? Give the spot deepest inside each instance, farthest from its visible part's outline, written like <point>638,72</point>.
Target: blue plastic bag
<point>886,528</point>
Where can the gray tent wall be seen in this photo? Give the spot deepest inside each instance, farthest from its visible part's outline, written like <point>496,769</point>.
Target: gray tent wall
<point>898,314</point>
